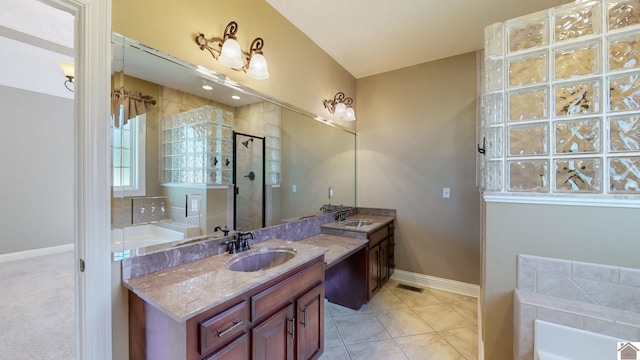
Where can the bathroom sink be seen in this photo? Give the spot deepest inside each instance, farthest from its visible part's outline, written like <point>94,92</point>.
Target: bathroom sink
<point>357,222</point>
<point>260,259</point>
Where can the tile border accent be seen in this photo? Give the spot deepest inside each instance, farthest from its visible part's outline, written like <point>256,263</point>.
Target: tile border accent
<point>35,252</point>
<point>433,282</point>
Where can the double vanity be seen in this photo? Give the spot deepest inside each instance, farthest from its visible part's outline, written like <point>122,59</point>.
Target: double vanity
<point>265,302</point>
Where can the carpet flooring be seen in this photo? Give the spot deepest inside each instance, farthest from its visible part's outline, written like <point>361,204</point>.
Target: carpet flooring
<point>37,308</point>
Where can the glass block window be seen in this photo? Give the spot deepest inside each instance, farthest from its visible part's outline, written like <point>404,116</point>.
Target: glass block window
<point>560,102</point>
<point>197,147</point>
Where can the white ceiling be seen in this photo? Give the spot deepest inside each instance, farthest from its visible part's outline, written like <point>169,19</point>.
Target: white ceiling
<point>369,37</point>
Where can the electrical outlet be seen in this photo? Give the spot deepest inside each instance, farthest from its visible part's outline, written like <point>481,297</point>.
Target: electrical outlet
<point>330,192</point>
<point>193,205</point>
<point>446,193</point>
<point>293,188</point>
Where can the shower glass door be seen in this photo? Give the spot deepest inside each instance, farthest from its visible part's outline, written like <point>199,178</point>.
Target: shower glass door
<point>248,173</point>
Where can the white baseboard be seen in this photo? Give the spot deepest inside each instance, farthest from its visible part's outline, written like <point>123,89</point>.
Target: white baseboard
<point>433,282</point>
<point>35,252</point>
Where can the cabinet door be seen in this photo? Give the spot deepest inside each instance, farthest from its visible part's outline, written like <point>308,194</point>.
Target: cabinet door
<point>391,256</point>
<point>374,269</point>
<point>384,261</point>
<point>310,312</point>
<point>237,350</point>
<point>274,338</point>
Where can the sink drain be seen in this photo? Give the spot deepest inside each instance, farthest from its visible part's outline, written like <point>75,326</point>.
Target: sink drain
<point>409,287</point>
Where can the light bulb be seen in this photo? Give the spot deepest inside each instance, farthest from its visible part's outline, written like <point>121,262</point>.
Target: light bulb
<point>340,110</point>
<point>258,67</point>
<point>231,54</point>
<point>350,114</point>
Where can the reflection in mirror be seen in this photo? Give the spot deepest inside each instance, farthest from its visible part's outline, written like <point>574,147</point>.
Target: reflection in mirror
<point>223,157</point>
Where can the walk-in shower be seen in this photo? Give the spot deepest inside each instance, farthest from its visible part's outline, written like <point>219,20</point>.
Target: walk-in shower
<point>248,173</point>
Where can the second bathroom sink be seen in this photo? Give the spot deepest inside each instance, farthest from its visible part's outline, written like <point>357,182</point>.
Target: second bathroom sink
<point>357,222</point>
<point>260,259</point>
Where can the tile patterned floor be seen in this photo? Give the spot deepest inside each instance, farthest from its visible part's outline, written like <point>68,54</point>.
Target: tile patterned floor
<point>402,324</point>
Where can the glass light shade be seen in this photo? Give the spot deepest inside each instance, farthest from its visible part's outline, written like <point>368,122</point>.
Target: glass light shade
<point>68,69</point>
<point>350,115</point>
<point>258,67</point>
<point>231,54</point>
<point>340,109</point>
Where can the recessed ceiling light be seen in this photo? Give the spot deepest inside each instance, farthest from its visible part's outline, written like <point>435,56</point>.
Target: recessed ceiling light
<point>235,97</point>
<point>207,87</point>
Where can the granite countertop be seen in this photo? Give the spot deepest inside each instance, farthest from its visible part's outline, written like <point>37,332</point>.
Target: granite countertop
<point>378,222</point>
<point>187,290</point>
<point>340,247</point>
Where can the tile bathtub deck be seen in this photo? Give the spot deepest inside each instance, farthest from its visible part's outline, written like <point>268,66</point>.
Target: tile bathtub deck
<point>403,324</point>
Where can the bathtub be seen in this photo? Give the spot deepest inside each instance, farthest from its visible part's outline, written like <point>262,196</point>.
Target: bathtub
<point>141,236</point>
<point>558,342</point>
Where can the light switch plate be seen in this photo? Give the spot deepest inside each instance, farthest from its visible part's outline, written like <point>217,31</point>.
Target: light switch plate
<point>446,193</point>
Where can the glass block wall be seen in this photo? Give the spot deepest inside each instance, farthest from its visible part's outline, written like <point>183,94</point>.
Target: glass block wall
<point>560,106</point>
<point>197,147</point>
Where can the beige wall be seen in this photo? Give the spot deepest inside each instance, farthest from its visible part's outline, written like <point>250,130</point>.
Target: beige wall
<point>315,156</point>
<point>591,234</point>
<point>416,135</point>
<point>302,74</point>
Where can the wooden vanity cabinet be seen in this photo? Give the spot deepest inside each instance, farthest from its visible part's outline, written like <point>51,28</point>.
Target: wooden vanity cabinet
<point>310,329</point>
<point>274,337</point>
<point>293,332</point>
<point>282,319</point>
<point>381,258</point>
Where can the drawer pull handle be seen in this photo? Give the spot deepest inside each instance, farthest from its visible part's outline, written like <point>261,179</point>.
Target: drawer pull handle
<point>236,323</point>
<point>304,318</point>
<point>293,327</point>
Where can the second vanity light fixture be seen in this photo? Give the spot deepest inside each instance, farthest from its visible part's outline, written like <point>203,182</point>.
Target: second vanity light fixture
<point>228,53</point>
<point>340,106</point>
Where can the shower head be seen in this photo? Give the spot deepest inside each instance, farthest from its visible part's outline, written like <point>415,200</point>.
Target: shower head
<point>246,142</point>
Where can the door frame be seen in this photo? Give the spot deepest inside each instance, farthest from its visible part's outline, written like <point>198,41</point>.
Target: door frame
<point>92,208</point>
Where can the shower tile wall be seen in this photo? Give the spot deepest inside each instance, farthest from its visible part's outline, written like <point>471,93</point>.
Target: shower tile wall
<point>263,120</point>
<point>561,101</point>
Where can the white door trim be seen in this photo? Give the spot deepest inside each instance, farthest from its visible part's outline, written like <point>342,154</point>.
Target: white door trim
<point>92,175</point>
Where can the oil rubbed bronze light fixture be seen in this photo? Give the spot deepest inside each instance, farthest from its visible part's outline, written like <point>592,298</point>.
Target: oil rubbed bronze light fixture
<point>341,106</point>
<point>68,69</point>
<point>228,53</point>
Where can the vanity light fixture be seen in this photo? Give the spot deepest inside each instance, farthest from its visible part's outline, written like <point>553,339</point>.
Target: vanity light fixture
<point>341,106</point>
<point>68,69</point>
<point>228,53</point>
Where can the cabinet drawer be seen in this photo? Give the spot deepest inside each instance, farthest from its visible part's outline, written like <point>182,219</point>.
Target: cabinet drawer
<point>286,291</point>
<point>379,235</point>
<point>237,350</point>
<point>227,325</point>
